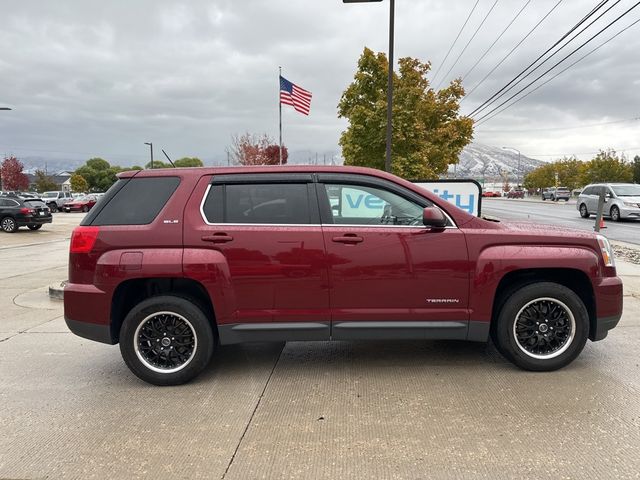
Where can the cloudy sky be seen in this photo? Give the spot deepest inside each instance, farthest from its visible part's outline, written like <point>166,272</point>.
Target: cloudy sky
<point>88,78</point>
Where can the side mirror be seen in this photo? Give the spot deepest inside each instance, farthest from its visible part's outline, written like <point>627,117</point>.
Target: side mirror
<point>434,217</point>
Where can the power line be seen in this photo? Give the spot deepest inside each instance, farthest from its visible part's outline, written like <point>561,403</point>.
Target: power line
<point>558,63</point>
<point>548,59</point>
<point>508,87</point>
<point>455,40</point>
<point>553,129</point>
<point>496,40</point>
<point>564,70</point>
<point>512,50</point>
<point>446,75</point>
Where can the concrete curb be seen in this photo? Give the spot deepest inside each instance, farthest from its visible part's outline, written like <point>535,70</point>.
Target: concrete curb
<point>56,290</point>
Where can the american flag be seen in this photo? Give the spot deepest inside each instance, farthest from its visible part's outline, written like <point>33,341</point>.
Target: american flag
<point>291,94</point>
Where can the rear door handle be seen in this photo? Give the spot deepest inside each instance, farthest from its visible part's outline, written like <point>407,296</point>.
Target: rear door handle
<point>348,238</point>
<point>217,238</point>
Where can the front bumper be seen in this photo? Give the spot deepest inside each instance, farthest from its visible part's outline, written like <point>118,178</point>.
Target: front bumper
<point>629,212</point>
<point>608,295</point>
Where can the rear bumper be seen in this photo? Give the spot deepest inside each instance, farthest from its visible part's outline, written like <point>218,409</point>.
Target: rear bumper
<point>91,331</point>
<point>87,311</point>
<point>23,222</point>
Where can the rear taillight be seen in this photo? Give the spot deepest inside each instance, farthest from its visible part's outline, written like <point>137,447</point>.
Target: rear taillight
<point>83,239</point>
<point>27,211</point>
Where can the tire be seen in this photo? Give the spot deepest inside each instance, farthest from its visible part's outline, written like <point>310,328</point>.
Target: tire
<point>85,209</point>
<point>525,343</point>
<point>8,225</point>
<point>34,227</point>
<point>180,317</point>
<point>615,214</point>
<point>53,207</point>
<point>543,198</point>
<point>584,212</point>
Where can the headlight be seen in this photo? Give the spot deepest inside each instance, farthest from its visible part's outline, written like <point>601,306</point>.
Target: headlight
<point>606,250</point>
<point>631,204</point>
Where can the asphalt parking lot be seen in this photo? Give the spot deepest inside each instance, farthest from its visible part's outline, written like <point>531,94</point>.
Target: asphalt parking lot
<point>409,410</point>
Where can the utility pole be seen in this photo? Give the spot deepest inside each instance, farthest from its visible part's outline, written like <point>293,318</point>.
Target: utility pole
<point>151,146</point>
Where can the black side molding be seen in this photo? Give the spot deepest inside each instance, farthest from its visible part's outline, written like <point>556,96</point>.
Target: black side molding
<point>273,332</point>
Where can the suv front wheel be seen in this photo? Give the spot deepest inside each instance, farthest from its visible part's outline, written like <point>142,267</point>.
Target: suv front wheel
<point>542,326</point>
<point>166,340</point>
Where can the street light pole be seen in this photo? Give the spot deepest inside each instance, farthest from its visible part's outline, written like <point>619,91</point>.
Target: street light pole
<point>151,147</point>
<point>392,8</point>
<point>518,171</point>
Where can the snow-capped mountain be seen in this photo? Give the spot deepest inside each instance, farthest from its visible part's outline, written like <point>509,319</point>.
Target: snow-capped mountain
<point>484,161</point>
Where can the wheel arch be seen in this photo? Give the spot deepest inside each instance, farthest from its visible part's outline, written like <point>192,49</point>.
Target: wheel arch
<point>573,279</point>
<point>131,292</point>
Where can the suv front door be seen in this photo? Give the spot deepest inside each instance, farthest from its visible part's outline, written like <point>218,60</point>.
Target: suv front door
<point>391,277</point>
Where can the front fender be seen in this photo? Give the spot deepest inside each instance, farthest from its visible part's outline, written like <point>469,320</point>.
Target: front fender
<point>495,262</point>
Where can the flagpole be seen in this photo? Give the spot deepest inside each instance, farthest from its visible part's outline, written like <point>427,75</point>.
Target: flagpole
<point>280,108</point>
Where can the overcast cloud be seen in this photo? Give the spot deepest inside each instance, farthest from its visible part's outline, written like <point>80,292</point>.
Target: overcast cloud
<point>100,78</point>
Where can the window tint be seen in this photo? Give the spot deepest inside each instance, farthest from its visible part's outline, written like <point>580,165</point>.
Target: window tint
<point>362,205</point>
<point>8,203</point>
<point>35,203</point>
<point>587,191</point>
<point>286,203</point>
<point>138,202</point>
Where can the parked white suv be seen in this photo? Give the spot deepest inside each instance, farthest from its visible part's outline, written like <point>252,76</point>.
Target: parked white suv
<point>56,199</point>
<point>622,200</point>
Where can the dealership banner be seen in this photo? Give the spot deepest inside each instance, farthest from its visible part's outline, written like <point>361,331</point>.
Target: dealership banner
<point>465,194</point>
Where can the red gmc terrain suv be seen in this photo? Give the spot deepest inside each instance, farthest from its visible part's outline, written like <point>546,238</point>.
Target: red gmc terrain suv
<point>172,263</point>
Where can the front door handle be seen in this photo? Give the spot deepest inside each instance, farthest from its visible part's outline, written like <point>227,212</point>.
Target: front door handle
<point>217,238</point>
<point>348,238</point>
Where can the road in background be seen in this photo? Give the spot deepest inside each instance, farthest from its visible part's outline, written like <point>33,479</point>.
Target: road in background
<point>558,213</point>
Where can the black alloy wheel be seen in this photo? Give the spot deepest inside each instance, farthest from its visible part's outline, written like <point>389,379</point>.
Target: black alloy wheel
<point>8,224</point>
<point>541,326</point>
<point>166,340</point>
<point>53,207</point>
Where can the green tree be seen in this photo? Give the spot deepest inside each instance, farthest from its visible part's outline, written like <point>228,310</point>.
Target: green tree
<point>636,169</point>
<point>428,132</point>
<point>541,177</point>
<point>157,164</point>
<point>188,162</point>
<point>78,183</point>
<point>43,182</point>
<point>607,166</point>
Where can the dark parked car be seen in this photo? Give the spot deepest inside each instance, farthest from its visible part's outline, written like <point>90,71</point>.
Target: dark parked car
<point>172,263</point>
<point>16,212</point>
<point>80,204</point>
<point>516,193</point>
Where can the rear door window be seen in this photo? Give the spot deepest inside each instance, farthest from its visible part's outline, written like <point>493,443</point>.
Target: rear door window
<point>137,201</point>
<point>258,203</point>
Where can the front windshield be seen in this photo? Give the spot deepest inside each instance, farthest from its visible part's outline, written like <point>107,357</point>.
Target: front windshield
<point>627,190</point>
<point>50,194</point>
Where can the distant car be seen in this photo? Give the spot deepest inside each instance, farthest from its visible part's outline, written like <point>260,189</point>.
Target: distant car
<point>622,200</point>
<point>56,199</point>
<point>555,194</point>
<point>491,194</point>
<point>516,193</point>
<point>82,204</point>
<point>16,212</point>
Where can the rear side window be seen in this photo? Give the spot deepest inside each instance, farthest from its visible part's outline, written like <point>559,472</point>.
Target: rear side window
<point>35,203</point>
<point>284,203</point>
<point>137,202</point>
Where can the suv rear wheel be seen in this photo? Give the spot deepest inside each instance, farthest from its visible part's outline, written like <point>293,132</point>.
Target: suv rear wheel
<point>542,326</point>
<point>166,340</point>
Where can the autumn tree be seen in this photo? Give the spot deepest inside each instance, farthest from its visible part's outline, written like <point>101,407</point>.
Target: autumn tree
<point>12,176</point>
<point>607,166</point>
<point>78,183</point>
<point>249,149</point>
<point>541,177</point>
<point>99,174</point>
<point>44,182</point>
<point>428,131</point>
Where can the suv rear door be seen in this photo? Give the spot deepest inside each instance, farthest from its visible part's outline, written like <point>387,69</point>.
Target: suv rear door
<point>267,226</point>
<point>391,277</point>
